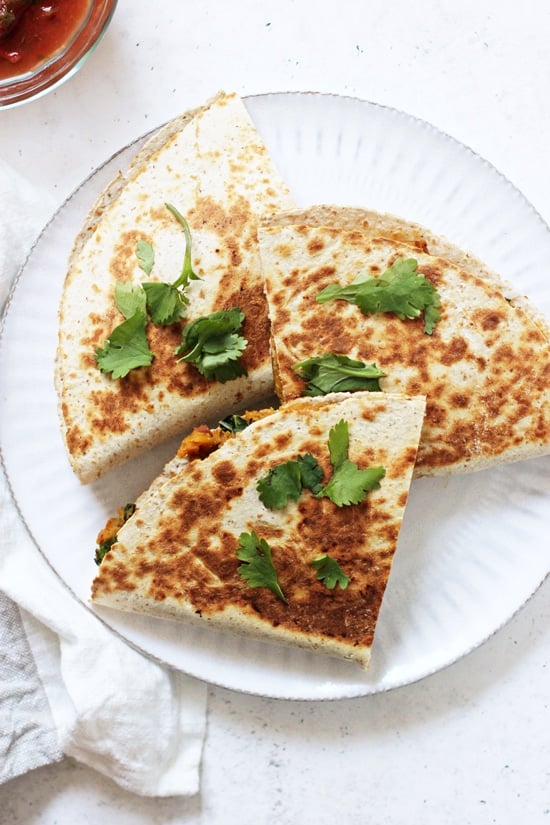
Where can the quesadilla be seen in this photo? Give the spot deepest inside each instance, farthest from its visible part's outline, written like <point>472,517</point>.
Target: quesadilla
<point>334,281</point>
<point>286,532</point>
<point>169,244</point>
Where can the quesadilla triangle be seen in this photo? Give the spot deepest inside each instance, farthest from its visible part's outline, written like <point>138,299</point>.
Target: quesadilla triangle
<point>287,532</point>
<point>341,283</point>
<point>210,169</point>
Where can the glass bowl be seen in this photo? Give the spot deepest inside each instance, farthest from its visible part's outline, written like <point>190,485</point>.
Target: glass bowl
<point>61,62</point>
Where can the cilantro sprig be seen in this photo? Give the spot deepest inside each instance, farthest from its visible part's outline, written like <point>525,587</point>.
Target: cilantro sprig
<point>127,346</point>
<point>400,290</point>
<point>257,567</point>
<point>213,344</point>
<point>167,302</point>
<point>337,373</point>
<point>348,484</point>
<point>285,482</point>
<point>329,572</point>
<point>234,423</point>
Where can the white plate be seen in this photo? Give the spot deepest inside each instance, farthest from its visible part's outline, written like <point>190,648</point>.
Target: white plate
<point>472,549</point>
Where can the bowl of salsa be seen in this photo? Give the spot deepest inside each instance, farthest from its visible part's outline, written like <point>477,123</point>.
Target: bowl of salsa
<point>42,44</point>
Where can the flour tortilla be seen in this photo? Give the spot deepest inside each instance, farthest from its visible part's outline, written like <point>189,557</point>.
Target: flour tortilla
<point>485,369</point>
<point>212,165</point>
<point>176,557</point>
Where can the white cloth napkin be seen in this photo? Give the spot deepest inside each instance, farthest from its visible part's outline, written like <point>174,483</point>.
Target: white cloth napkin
<point>68,685</point>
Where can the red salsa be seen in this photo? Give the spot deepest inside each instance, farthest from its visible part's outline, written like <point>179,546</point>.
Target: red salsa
<point>40,30</point>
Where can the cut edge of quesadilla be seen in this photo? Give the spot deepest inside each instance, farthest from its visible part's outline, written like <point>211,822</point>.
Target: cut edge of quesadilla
<point>178,555</point>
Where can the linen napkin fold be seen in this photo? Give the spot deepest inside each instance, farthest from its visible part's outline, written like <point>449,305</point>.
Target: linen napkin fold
<point>68,685</point>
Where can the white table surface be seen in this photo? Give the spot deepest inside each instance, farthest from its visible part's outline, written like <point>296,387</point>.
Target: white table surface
<point>470,744</point>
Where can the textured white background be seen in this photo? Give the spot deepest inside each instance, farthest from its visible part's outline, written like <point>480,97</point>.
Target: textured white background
<point>472,743</point>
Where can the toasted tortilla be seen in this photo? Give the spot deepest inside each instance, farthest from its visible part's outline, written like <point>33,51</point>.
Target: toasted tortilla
<point>212,165</point>
<point>485,369</point>
<point>176,557</point>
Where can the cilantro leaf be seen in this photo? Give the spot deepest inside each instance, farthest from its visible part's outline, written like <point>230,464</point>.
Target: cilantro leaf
<point>311,473</point>
<point>282,484</point>
<point>348,483</point>
<point>234,423</point>
<point>258,569</point>
<point>103,548</point>
<point>126,348</point>
<point>431,316</point>
<point>145,255</point>
<point>337,373</point>
<point>165,302</point>
<point>129,299</point>
<point>401,290</point>
<point>338,443</point>
<point>329,572</point>
<point>213,345</point>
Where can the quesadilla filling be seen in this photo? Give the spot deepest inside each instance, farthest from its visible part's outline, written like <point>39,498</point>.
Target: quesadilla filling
<point>203,440</point>
<point>108,535</point>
